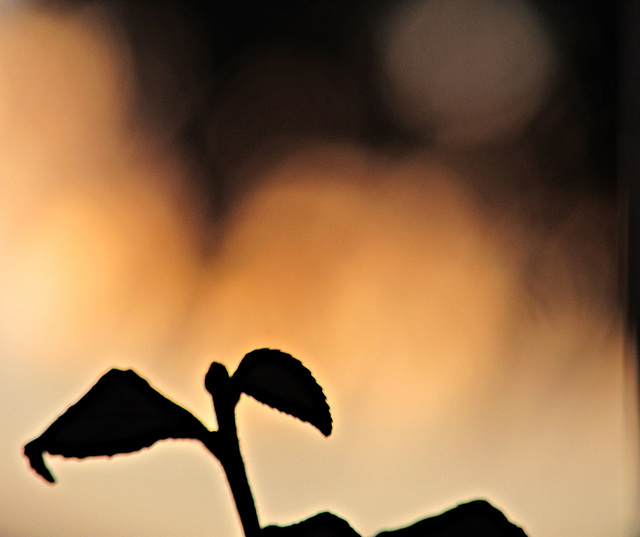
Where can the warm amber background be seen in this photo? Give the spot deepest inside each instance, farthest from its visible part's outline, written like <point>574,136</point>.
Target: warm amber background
<point>466,350</point>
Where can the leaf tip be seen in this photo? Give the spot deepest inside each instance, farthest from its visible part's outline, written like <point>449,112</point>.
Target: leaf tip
<point>34,452</point>
<point>326,429</point>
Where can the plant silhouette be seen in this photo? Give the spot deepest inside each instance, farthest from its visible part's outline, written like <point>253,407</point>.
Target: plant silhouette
<point>122,413</point>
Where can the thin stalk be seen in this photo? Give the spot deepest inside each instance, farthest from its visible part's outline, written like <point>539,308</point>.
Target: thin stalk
<point>234,469</point>
<point>225,446</point>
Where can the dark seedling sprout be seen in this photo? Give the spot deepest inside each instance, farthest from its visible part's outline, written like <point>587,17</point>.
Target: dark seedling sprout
<point>122,413</point>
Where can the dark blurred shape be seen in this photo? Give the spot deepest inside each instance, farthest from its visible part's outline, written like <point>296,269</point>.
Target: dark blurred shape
<point>474,519</point>
<point>226,82</point>
<point>588,36</point>
<point>269,104</point>
<point>629,155</point>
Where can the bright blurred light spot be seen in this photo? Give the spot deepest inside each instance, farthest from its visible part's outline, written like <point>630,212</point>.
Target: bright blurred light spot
<point>387,263</point>
<point>81,281</point>
<point>466,71</point>
<point>86,208</point>
<point>62,88</point>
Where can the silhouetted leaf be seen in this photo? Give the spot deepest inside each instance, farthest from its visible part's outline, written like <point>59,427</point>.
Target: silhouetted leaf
<point>323,524</point>
<point>477,518</point>
<point>121,413</point>
<point>281,381</point>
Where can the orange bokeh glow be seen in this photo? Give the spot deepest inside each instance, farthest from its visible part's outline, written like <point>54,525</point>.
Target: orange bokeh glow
<point>401,289</point>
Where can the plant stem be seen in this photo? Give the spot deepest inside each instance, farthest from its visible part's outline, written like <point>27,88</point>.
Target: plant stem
<point>234,469</point>
<point>224,445</point>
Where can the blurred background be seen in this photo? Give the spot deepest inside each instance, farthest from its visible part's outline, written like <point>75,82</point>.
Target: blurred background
<point>422,200</point>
